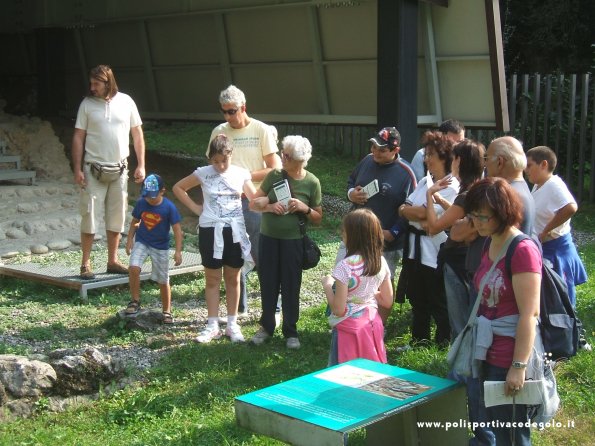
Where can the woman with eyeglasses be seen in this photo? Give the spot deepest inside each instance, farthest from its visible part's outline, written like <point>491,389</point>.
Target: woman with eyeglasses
<point>509,306</point>
<point>421,280</point>
<point>280,246</point>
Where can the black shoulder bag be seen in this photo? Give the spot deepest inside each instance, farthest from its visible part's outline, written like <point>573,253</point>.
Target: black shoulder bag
<point>311,250</point>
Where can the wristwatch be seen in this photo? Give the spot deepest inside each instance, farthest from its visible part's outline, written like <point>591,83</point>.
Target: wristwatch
<point>519,365</point>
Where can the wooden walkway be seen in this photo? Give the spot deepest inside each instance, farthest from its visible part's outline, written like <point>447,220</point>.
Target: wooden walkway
<point>68,276</point>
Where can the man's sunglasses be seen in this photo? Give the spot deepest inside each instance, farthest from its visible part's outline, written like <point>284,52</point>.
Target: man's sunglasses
<point>230,112</point>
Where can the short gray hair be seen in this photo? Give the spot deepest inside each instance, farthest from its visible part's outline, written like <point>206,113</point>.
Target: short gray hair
<point>298,148</point>
<point>232,95</point>
<point>511,150</point>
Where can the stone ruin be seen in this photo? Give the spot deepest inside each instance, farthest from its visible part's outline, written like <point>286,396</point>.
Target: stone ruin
<point>37,144</point>
<point>36,219</point>
<point>62,379</point>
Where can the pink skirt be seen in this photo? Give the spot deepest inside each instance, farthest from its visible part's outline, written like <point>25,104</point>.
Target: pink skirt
<point>361,337</point>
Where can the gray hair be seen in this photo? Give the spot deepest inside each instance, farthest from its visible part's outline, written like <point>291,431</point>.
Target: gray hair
<point>298,148</point>
<point>511,150</point>
<point>232,95</point>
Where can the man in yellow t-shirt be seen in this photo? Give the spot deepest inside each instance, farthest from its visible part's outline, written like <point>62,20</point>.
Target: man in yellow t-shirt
<point>255,149</point>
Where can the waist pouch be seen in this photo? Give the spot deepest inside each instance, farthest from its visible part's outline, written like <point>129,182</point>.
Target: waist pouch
<point>108,172</point>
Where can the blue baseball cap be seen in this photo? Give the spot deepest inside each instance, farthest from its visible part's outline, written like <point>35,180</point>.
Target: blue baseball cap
<point>152,186</point>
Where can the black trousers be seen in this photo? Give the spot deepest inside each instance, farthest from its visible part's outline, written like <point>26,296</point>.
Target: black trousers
<point>280,270</point>
<point>425,290</point>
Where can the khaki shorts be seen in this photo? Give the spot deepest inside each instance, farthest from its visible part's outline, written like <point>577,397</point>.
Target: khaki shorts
<point>107,201</point>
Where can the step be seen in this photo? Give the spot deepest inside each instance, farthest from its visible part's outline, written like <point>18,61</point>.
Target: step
<point>10,159</point>
<point>14,174</point>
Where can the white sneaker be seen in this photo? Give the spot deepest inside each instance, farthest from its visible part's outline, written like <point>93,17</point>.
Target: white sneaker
<point>234,333</point>
<point>293,343</point>
<point>260,336</point>
<point>209,333</point>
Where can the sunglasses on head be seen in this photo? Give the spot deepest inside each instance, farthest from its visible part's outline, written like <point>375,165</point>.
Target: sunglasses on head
<point>230,112</point>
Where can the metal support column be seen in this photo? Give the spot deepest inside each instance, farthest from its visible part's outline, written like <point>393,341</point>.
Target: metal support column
<point>397,70</point>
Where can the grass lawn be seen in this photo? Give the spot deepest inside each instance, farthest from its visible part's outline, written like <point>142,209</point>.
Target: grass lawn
<point>187,398</point>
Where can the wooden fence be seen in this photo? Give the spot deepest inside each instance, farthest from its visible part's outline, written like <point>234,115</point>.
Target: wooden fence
<point>558,111</point>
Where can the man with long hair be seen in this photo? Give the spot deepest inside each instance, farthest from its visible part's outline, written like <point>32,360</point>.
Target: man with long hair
<point>100,149</point>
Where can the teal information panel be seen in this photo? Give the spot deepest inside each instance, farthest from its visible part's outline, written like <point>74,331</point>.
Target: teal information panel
<point>349,395</point>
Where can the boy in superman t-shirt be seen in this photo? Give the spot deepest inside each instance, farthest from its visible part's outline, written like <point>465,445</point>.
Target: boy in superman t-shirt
<point>148,236</point>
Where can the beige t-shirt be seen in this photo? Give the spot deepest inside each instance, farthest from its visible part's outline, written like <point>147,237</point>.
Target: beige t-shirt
<point>250,144</point>
<point>108,127</point>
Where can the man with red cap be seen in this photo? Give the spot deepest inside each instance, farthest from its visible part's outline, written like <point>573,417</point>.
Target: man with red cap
<point>390,180</point>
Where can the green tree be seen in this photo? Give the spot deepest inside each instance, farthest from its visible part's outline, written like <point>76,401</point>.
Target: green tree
<point>548,35</point>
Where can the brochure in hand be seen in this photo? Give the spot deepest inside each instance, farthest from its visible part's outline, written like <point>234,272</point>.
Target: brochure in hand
<point>371,188</point>
<point>529,394</point>
<point>282,192</point>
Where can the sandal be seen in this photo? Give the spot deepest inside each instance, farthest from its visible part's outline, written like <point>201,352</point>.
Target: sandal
<point>86,273</point>
<point>133,307</point>
<point>167,318</point>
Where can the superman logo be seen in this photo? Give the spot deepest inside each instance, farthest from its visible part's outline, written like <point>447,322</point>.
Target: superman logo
<point>150,219</point>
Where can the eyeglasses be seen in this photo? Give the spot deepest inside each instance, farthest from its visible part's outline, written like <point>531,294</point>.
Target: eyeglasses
<point>230,112</point>
<point>285,156</point>
<point>479,217</point>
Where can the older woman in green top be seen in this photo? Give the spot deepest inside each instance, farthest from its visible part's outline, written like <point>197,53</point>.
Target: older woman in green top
<point>280,248</point>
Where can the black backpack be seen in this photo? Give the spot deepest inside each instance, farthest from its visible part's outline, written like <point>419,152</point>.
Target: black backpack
<point>558,323</point>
